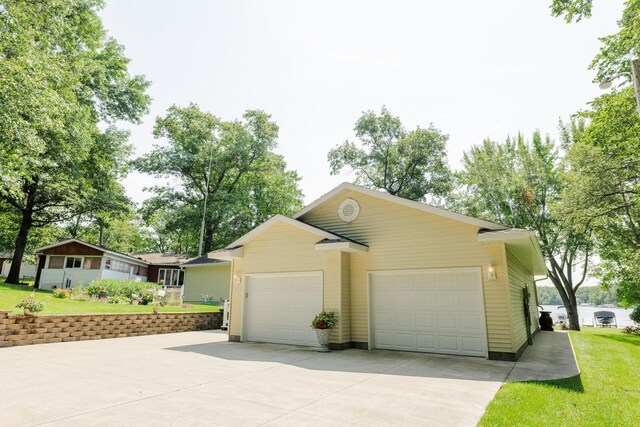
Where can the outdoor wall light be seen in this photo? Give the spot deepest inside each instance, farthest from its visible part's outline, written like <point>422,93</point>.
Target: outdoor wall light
<point>491,272</point>
<point>236,279</point>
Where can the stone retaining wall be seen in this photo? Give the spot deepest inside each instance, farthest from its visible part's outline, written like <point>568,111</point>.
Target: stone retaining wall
<point>25,330</point>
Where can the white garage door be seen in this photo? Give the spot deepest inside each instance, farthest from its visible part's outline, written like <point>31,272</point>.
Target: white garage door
<point>279,308</point>
<point>437,311</point>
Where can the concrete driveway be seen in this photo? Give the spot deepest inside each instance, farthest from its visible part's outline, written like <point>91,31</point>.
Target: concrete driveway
<point>198,378</point>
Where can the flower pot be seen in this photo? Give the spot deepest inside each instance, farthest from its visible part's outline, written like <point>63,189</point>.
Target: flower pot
<point>324,336</point>
<point>27,312</point>
<point>156,310</point>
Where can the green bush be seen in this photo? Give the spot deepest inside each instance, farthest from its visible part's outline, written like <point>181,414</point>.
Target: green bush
<point>61,293</point>
<point>635,314</point>
<point>80,294</point>
<point>123,288</point>
<point>31,305</point>
<point>117,299</point>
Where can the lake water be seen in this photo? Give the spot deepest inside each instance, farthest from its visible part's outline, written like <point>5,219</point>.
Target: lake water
<point>586,314</point>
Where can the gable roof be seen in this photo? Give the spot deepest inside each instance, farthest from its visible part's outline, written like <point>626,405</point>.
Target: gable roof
<point>204,260</point>
<point>162,258</point>
<point>347,186</point>
<point>100,248</point>
<point>522,243</point>
<point>279,219</point>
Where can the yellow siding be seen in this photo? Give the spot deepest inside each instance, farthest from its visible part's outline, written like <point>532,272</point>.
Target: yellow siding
<point>206,280</point>
<point>284,248</point>
<point>345,303</point>
<point>519,278</point>
<point>400,238</point>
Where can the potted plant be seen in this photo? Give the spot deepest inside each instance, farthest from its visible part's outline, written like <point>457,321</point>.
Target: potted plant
<point>102,293</point>
<point>30,306</point>
<point>323,323</point>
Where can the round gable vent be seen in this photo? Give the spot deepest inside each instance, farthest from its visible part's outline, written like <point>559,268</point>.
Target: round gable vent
<point>349,210</point>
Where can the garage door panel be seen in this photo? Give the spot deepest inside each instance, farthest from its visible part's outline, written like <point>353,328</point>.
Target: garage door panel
<point>441,311</point>
<point>446,300</point>
<point>448,343</point>
<point>405,340</point>
<point>385,339</point>
<point>447,321</point>
<point>471,322</point>
<point>425,342</point>
<point>403,320</point>
<point>424,320</point>
<point>279,308</point>
<point>472,344</point>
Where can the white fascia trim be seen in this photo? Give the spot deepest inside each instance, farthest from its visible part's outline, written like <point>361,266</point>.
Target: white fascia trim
<point>506,235</point>
<point>279,219</point>
<point>217,264</point>
<point>400,201</point>
<point>341,246</point>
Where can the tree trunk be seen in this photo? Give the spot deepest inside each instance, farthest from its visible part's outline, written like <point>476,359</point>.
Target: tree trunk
<point>570,303</point>
<point>21,244</point>
<point>100,234</point>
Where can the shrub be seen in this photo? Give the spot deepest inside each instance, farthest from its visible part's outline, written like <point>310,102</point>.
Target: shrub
<point>325,320</point>
<point>123,288</point>
<point>118,299</point>
<point>61,293</point>
<point>31,305</point>
<point>635,314</point>
<point>79,294</point>
<point>633,330</point>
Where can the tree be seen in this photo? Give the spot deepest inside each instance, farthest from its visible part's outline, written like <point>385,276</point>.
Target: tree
<point>602,188</point>
<point>613,58</point>
<point>412,164</point>
<point>518,183</point>
<point>247,181</point>
<point>60,76</point>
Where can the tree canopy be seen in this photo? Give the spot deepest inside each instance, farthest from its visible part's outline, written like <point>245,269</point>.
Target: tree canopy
<point>411,164</point>
<point>247,181</point>
<point>63,86</point>
<point>617,48</point>
<point>518,183</point>
<point>602,188</point>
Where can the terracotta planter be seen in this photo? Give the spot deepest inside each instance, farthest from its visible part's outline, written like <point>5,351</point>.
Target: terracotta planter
<point>324,337</point>
<point>27,312</point>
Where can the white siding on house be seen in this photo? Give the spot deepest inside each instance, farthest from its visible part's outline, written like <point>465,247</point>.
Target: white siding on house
<point>110,274</point>
<point>26,270</point>
<point>57,278</point>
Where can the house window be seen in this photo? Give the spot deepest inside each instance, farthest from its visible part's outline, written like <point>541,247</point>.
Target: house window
<point>170,277</point>
<point>73,262</point>
<point>92,263</point>
<point>144,271</point>
<point>56,262</point>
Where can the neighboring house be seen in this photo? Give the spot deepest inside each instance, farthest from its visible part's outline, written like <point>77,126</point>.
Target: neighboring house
<point>72,262</point>
<point>206,277</point>
<point>401,275</point>
<point>27,270</point>
<point>165,267</point>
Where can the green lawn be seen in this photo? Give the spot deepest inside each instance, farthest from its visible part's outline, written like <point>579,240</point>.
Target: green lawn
<point>606,393</point>
<point>10,295</point>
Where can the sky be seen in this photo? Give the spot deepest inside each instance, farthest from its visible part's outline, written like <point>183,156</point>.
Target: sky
<point>475,69</point>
